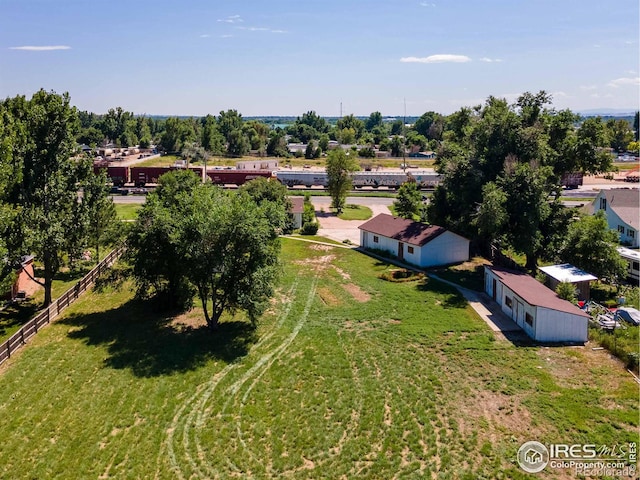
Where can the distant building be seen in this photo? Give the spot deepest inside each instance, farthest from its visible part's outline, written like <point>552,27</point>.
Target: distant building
<point>257,165</point>
<point>568,273</point>
<point>413,242</point>
<point>543,315</point>
<point>622,209</point>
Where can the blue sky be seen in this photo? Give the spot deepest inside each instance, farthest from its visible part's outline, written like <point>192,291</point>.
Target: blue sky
<point>285,57</point>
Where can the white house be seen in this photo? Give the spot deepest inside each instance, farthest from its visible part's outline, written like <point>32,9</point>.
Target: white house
<point>543,315</point>
<point>632,257</point>
<point>622,208</point>
<point>413,242</point>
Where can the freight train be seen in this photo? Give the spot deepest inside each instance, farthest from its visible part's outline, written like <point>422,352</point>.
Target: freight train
<point>424,178</point>
<point>141,176</point>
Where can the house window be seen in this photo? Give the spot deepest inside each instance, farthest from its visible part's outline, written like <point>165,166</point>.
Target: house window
<point>507,302</point>
<point>603,204</point>
<point>529,319</point>
<point>409,249</point>
<point>631,233</point>
<point>375,239</point>
<point>620,228</point>
<point>635,266</point>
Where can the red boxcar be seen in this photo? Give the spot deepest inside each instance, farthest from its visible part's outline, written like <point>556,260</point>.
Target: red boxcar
<point>236,177</point>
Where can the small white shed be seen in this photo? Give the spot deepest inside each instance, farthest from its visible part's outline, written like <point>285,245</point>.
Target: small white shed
<point>297,209</point>
<point>543,315</point>
<point>413,242</point>
<point>566,272</point>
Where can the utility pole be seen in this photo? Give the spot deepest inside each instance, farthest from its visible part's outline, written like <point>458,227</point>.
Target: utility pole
<point>404,137</point>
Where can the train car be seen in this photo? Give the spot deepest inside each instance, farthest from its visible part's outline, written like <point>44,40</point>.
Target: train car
<point>571,180</point>
<point>292,178</point>
<point>236,177</point>
<point>140,176</point>
<point>117,175</point>
<point>378,179</point>
<point>426,179</point>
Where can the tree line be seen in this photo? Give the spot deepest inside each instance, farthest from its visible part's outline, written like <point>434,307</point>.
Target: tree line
<point>230,134</point>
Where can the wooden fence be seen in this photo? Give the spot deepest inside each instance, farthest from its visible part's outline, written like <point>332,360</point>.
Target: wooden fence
<point>46,315</point>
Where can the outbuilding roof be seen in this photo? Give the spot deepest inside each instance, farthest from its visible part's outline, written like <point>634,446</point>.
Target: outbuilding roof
<point>401,229</point>
<point>297,204</point>
<point>567,273</point>
<point>533,292</point>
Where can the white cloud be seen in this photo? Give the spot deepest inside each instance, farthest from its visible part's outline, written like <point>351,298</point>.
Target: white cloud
<point>205,35</point>
<point>261,29</point>
<point>441,58</point>
<point>226,36</point>
<point>41,48</point>
<point>586,88</point>
<point>491,60</point>
<point>621,82</point>
<point>559,93</point>
<point>231,19</point>
<point>427,4</point>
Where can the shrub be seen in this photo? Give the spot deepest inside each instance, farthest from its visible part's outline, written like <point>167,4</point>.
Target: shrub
<point>310,228</point>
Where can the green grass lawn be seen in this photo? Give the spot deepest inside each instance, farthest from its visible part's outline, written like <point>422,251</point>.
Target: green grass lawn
<point>346,376</point>
<point>127,211</point>
<point>356,212</point>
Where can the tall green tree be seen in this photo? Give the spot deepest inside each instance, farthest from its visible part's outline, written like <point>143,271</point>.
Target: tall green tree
<point>374,120</point>
<point>408,201</point>
<point>154,242</point>
<point>592,246</point>
<point>103,226</point>
<point>339,169</point>
<point>502,162</point>
<point>51,215</point>
<point>192,237</point>
<point>232,252</point>
<point>239,144</point>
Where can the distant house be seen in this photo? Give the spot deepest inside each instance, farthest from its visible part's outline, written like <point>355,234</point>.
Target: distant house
<point>632,257</point>
<point>427,154</point>
<point>297,209</point>
<point>568,273</point>
<point>622,209</point>
<point>543,315</point>
<point>413,242</point>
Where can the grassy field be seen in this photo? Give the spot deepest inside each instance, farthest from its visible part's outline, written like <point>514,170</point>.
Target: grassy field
<point>355,212</point>
<point>346,376</point>
<point>127,211</point>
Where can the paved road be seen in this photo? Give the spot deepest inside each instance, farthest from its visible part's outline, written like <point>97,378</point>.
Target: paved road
<point>128,198</point>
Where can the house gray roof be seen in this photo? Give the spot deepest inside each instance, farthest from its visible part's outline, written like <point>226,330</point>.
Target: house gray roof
<point>533,292</point>
<point>626,203</point>
<point>401,229</point>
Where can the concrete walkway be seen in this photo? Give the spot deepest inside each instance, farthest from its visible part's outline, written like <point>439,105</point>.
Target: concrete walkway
<point>485,307</point>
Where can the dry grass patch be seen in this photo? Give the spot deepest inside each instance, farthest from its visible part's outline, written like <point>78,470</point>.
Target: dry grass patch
<point>357,293</point>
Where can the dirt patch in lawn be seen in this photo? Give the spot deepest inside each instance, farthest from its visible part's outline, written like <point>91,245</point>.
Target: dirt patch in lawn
<point>321,248</point>
<point>357,293</point>
<point>328,297</point>
<point>319,264</point>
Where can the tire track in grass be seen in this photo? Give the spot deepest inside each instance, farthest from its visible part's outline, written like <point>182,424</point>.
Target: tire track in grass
<point>180,425</point>
<point>256,372</point>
